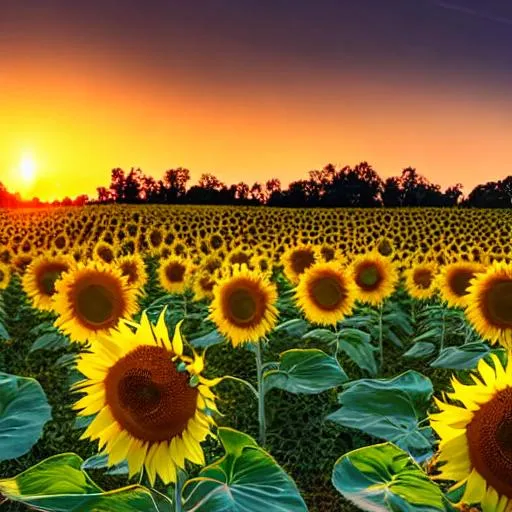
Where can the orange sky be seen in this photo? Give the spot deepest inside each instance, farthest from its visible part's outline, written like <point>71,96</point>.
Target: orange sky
<point>79,117</point>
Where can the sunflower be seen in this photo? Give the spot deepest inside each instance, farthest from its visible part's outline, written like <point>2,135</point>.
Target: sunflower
<point>420,280</point>
<point>203,284</point>
<point>296,260</point>
<point>152,405</point>
<point>489,307</point>
<point>454,281</point>
<point>92,299</point>
<point>41,276</point>
<point>174,274</point>
<point>327,252</point>
<point>375,277</point>
<point>5,276</point>
<point>326,294</point>
<point>243,306</point>
<point>476,433</point>
<point>134,269</point>
<point>104,252</point>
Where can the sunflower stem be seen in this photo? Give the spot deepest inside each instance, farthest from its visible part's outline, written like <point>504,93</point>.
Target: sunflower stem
<point>248,384</point>
<point>443,331</point>
<point>381,341</point>
<point>261,394</point>
<point>180,480</point>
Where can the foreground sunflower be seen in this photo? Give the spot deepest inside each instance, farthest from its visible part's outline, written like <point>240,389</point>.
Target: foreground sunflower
<point>375,277</point>
<point>152,406</point>
<point>41,276</point>
<point>296,260</point>
<point>490,304</point>
<point>243,306</point>
<point>326,294</point>
<point>420,280</point>
<point>454,281</point>
<point>5,276</point>
<point>475,444</point>
<point>91,300</point>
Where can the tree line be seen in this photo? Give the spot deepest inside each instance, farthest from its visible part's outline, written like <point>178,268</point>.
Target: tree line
<point>331,186</point>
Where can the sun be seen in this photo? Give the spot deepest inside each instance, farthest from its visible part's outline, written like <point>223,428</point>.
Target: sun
<point>27,169</point>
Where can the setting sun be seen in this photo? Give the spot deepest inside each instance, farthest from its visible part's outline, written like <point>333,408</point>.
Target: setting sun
<point>27,169</point>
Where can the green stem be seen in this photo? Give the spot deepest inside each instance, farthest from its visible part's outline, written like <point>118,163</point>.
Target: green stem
<point>180,480</point>
<point>443,331</point>
<point>185,305</point>
<point>248,384</point>
<point>261,394</point>
<point>381,341</point>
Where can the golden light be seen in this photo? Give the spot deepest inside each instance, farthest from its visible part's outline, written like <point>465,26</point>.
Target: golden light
<point>27,169</point>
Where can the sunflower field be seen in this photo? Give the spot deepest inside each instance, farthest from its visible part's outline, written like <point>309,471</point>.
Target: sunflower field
<point>247,359</point>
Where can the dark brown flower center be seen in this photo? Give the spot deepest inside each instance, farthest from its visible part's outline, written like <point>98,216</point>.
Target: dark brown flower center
<point>156,238</point>
<point>460,281</point>
<point>243,303</point>
<point>96,304</point>
<point>385,248</point>
<point>106,254</point>
<point>240,257</point>
<point>328,253</point>
<point>489,438</point>
<point>368,276</point>
<point>423,278</point>
<point>175,272</point>
<point>497,304</point>
<point>327,292</point>
<point>301,259</point>
<point>129,269</point>
<point>147,395</point>
<point>242,306</point>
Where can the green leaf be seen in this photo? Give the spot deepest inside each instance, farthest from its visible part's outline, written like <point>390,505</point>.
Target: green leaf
<point>24,410</point>
<point>4,335</point>
<point>308,371</point>
<point>465,357</point>
<point>100,461</point>
<point>390,409</point>
<point>384,478</point>
<point>321,335</point>
<point>294,327</point>
<point>59,484</point>
<point>421,350</point>
<point>212,338</point>
<point>50,341</point>
<point>246,479</point>
<point>356,344</point>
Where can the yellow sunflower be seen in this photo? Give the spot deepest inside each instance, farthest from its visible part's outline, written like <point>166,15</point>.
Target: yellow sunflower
<point>326,294</point>
<point>92,299</point>
<point>174,274</point>
<point>375,277</point>
<point>105,252</point>
<point>489,307</point>
<point>420,280</point>
<point>296,260</point>
<point>5,276</point>
<point>476,434</point>
<point>243,306</point>
<point>203,284</point>
<point>41,276</point>
<point>152,405</point>
<point>454,281</point>
<point>134,269</point>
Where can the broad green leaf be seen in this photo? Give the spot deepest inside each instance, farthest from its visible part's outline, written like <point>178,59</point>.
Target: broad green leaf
<point>212,338</point>
<point>50,341</point>
<point>322,335</point>
<point>384,478</point>
<point>421,350</point>
<point>307,371</point>
<point>294,327</point>
<point>4,335</point>
<point>24,410</point>
<point>246,479</point>
<point>465,357</point>
<point>101,462</point>
<point>390,409</point>
<point>356,344</point>
<point>58,484</point>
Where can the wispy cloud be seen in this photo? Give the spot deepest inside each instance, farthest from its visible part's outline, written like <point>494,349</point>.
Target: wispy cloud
<point>473,12</point>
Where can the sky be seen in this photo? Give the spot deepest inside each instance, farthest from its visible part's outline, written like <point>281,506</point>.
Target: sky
<point>252,89</point>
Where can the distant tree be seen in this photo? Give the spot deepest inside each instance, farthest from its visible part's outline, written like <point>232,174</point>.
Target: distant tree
<point>175,184</point>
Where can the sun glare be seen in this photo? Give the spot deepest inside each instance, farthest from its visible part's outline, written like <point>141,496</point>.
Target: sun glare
<point>27,169</point>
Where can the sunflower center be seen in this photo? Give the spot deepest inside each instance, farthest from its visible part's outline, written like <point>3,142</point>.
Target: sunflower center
<point>327,293</point>
<point>47,281</point>
<point>129,270</point>
<point>106,254</point>
<point>148,397</point>
<point>368,277</point>
<point>328,253</point>
<point>423,278</point>
<point>460,282</point>
<point>489,438</point>
<point>175,273</point>
<point>498,303</point>
<point>301,259</point>
<point>96,304</point>
<point>385,248</point>
<point>242,305</point>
